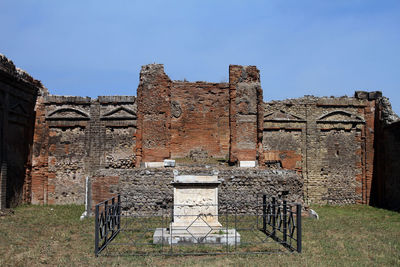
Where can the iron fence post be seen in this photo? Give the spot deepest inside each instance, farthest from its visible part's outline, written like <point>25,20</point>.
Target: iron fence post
<point>106,219</point>
<point>119,211</point>
<point>273,216</point>
<point>257,206</point>
<point>113,215</point>
<point>298,219</point>
<point>96,231</point>
<point>264,213</point>
<point>284,221</point>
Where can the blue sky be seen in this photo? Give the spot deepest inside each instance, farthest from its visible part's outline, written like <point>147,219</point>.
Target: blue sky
<point>302,47</point>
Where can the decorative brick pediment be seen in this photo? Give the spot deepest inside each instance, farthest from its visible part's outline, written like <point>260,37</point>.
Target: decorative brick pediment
<point>67,114</point>
<point>340,116</point>
<point>282,116</point>
<point>120,113</point>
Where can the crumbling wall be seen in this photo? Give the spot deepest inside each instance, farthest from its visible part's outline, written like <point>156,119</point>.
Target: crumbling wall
<point>340,165</point>
<point>150,188</point>
<point>118,116</point>
<point>177,119</point>
<point>330,141</point>
<point>154,115</point>
<point>66,161</point>
<point>68,119</point>
<point>200,119</point>
<point>337,145</point>
<point>245,113</point>
<point>77,136</point>
<point>39,175</point>
<point>282,147</point>
<point>18,93</point>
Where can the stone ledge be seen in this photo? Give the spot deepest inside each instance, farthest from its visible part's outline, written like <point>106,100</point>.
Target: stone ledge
<point>247,164</point>
<point>220,236</point>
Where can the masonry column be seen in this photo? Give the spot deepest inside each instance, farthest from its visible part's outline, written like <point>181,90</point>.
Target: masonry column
<point>154,115</point>
<point>95,139</point>
<point>245,95</point>
<point>371,112</point>
<point>40,167</point>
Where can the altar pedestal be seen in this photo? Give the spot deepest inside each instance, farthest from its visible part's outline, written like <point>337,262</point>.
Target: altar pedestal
<point>195,213</point>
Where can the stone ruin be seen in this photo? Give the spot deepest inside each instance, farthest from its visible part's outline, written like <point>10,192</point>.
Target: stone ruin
<point>336,150</point>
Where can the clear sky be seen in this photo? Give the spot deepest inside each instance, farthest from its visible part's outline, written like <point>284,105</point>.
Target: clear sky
<point>302,47</point>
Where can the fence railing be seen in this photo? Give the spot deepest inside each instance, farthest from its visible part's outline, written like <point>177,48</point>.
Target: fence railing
<point>107,222</point>
<point>266,225</point>
<point>282,222</point>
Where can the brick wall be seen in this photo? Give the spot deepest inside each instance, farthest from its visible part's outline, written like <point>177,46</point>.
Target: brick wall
<point>245,98</point>
<point>330,141</point>
<point>154,115</point>
<point>177,118</point>
<point>200,119</point>
<point>103,187</point>
<point>40,172</point>
<point>74,137</point>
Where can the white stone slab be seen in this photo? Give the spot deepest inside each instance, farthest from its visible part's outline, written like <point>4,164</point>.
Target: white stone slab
<point>154,164</point>
<point>169,163</point>
<point>196,179</point>
<point>197,207</point>
<point>247,164</point>
<point>220,236</point>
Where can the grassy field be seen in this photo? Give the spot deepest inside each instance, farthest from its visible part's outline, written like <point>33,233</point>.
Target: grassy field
<point>344,236</point>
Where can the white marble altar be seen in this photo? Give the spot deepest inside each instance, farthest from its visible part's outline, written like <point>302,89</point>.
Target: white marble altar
<point>195,213</point>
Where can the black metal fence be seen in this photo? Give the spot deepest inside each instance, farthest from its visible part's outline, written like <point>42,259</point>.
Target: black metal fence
<point>107,222</point>
<point>267,225</point>
<point>282,222</point>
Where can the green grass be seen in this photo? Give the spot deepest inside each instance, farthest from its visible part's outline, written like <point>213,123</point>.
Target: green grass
<point>141,230</point>
<point>344,236</point>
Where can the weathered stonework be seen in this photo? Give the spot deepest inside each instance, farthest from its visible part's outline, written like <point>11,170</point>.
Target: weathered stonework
<point>323,150</point>
<point>204,122</point>
<point>177,118</point>
<point>152,187</point>
<point>154,115</point>
<point>327,140</point>
<point>81,135</point>
<point>245,99</point>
